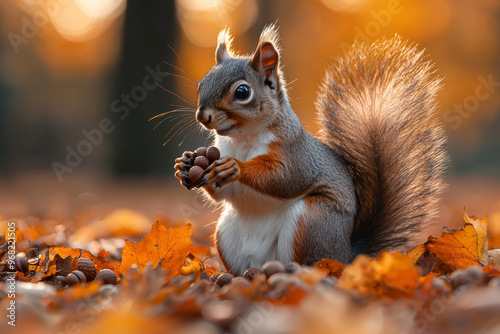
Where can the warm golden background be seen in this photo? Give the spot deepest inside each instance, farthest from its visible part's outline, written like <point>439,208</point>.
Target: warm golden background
<point>65,65</point>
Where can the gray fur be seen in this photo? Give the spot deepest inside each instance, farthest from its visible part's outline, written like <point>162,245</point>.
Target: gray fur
<point>374,174</point>
<point>377,110</point>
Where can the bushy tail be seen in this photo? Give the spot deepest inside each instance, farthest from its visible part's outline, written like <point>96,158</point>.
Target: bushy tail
<point>377,110</point>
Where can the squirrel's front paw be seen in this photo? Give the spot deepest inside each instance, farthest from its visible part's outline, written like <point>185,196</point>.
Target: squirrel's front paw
<point>220,173</point>
<point>183,164</point>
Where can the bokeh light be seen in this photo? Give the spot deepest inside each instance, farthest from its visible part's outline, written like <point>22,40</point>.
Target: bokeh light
<point>202,20</point>
<point>80,20</point>
<point>344,5</point>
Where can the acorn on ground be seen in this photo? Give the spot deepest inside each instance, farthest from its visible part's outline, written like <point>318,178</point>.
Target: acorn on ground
<point>107,276</point>
<point>273,267</point>
<point>87,267</point>
<point>60,281</point>
<point>214,277</point>
<point>250,273</point>
<point>224,279</point>
<point>75,277</point>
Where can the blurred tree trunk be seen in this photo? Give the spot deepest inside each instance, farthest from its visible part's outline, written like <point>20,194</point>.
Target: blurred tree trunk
<point>150,33</point>
<point>3,126</point>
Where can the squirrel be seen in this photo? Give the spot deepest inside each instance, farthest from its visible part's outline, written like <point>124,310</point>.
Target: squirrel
<point>370,179</point>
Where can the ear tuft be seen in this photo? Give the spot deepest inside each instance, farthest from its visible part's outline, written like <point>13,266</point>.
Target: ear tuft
<point>266,57</point>
<point>224,41</point>
<point>270,34</point>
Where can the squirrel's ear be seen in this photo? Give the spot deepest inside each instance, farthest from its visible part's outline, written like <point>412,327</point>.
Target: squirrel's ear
<point>265,61</point>
<point>223,50</point>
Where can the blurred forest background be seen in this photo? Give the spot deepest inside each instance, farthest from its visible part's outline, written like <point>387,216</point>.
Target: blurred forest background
<point>77,78</point>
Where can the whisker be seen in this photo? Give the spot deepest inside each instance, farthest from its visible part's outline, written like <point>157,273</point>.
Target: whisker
<point>190,132</point>
<point>182,77</point>
<point>177,68</point>
<point>171,118</point>
<point>179,122</point>
<point>171,111</point>
<point>171,48</point>
<point>183,127</point>
<point>179,106</point>
<point>183,99</point>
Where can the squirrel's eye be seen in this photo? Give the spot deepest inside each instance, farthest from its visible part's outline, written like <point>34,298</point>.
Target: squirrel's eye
<point>242,92</point>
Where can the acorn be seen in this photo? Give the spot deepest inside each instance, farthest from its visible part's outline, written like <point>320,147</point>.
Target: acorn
<point>195,174</point>
<point>273,267</point>
<point>250,273</point>
<point>201,161</point>
<point>21,264</point>
<point>60,281</point>
<point>87,267</point>
<point>224,279</point>
<point>213,153</point>
<point>278,279</point>
<point>214,277</point>
<point>240,281</point>
<point>292,267</point>
<point>201,152</point>
<point>467,276</point>
<point>75,277</point>
<point>107,276</point>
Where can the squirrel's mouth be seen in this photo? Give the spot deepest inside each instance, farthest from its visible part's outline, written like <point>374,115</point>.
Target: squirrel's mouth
<point>225,131</point>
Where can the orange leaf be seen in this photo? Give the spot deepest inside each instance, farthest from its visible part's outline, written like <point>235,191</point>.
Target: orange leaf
<point>193,266</point>
<point>492,269</point>
<point>457,248</point>
<point>331,267</point>
<point>392,275</point>
<point>293,296</point>
<point>168,246</point>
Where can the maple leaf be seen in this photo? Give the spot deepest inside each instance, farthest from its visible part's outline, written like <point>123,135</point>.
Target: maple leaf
<point>166,246</point>
<point>457,248</point>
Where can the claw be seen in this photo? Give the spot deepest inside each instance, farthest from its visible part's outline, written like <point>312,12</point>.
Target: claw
<point>203,182</point>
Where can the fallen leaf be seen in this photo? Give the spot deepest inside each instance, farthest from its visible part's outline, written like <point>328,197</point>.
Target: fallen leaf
<point>495,255</point>
<point>426,262</point>
<point>168,246</point>
<point>60,266</point>
<point>392,275</point>
<point>331,267</point>
<point>193,265</point>
<point>457,248</point>
<point>492,269</point>
<point>121,222</point>
<point>63,252</point>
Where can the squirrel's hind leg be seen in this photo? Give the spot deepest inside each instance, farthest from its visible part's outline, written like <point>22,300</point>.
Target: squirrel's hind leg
<point>325,236</point>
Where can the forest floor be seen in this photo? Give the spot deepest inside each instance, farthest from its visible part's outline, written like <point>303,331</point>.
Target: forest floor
<point>157,270</point>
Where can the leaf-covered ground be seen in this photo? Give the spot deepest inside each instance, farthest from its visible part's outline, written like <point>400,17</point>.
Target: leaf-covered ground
<point>163,282</point>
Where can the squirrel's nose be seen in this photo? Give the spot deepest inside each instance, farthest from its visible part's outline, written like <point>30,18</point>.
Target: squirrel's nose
<point>204,115</point>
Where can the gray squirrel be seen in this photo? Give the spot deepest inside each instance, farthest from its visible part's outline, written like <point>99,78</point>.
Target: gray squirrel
<point>370,179</point>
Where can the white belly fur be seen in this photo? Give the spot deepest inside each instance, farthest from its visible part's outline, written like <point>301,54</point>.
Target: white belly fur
<point>254,228</point>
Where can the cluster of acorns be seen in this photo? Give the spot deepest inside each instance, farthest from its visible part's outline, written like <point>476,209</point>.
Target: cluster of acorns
<point>86,272</point>
<point>274,271</point>
<point>201,159</point>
